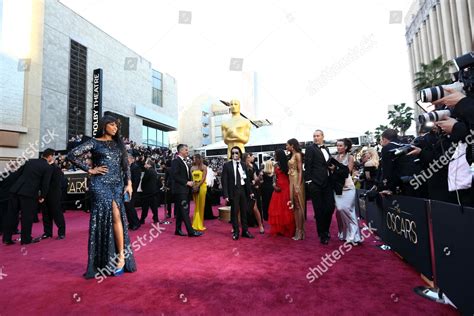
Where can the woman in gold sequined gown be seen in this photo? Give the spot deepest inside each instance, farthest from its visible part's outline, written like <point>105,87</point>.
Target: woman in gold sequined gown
<point>295,173</point>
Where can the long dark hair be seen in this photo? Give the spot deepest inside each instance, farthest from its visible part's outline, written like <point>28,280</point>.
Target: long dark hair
<point>296,146</point>
<point>282,160</point>
<point>347,143</point>
<point>107,119</point>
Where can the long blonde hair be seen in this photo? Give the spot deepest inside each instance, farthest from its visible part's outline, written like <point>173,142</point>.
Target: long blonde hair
<point>374,158</point>
<point>268,167</point>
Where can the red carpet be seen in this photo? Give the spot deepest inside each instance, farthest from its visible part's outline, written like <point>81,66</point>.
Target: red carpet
<point>210,275</point>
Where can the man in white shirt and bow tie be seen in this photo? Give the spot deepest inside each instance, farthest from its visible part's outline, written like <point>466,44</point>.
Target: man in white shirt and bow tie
<point>236,189</point>
<point>316,175</point>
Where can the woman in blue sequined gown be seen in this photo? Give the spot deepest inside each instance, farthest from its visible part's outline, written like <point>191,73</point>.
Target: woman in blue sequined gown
<point>109,249</point>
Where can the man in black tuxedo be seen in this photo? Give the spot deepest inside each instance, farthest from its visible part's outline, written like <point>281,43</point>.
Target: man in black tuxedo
<point>316,174</point>
<point>135,172</point>
<point>52,209</point>
<point>236,189</point>
<point>149,191</point>
<point>35,177</point>
<point>181,186</point>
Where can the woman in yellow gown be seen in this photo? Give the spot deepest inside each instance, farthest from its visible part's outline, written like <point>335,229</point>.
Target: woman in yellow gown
<point>199,172</point>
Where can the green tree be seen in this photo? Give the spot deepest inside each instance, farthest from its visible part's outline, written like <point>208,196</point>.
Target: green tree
<point>369,136</point>
<point>401,117</point>
<point>433,74</point>
<point>378,132</point>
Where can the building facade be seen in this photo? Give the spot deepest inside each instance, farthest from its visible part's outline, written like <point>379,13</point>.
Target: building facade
<point>200,123</point>
<point>439,28</point>
<point>50,84</point>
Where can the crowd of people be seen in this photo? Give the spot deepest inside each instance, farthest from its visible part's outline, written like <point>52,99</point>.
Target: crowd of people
<point>123,175</point>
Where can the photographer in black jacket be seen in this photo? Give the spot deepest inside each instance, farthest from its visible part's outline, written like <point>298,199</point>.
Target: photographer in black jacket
<point>398,165</point>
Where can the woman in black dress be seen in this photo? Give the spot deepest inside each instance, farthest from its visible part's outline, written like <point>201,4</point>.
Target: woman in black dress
<point>267,187</point>
<point>109,250</point>
<point>254,217</point>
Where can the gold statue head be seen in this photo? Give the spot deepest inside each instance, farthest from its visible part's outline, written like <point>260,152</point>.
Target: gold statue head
<point>235,106</point>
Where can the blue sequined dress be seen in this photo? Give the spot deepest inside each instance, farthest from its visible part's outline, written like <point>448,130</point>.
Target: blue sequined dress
<point>104,189</point>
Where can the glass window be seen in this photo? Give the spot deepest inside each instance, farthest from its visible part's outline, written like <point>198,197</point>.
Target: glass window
<point>154,137</point>
<point>166,142</point>
<point>157,88</point>
<point>144,134</point>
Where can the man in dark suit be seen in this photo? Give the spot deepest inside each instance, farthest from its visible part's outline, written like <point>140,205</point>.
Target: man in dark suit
<point>52,209</point>
<point>181,186</point>
<point>35,177</point>
<point>5,194</point>
<point>167,188</point>
<point>136,173</point>
<point>316,174</point>
<point>236,188</point>
<point>395,168</point>
<point>149,191</point>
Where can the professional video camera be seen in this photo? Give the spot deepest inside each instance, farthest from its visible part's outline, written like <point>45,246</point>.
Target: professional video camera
<point>464,77</point>
<point>465,66</point>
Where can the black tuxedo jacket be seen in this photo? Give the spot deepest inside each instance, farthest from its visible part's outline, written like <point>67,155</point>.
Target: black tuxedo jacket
<point>35,176</point>
<point>316,167</point>
<point>179,177</point>
<point>56,184</point>
<point>136,174</point>
<point>228,179</point>
<point>150,181</point>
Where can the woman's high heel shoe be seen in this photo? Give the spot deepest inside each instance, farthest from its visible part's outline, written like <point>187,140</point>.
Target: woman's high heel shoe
<point>262,230</point>
<point>120,271</point>
<point>297,235</point>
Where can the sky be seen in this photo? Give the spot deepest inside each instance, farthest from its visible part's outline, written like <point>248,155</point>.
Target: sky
<point>335,65</point>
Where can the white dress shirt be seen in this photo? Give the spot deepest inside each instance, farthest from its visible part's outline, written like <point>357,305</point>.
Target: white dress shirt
<point>325,152</point>
<point>243,176</point>
<point>187,168</point>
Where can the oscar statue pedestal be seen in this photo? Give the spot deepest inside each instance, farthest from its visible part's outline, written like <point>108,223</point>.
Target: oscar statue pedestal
<point>224,213</point>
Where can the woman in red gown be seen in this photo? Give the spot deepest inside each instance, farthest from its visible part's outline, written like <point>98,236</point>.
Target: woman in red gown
<point>280,211</point>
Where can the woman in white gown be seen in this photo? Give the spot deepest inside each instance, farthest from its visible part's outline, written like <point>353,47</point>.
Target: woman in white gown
<point>347,222</point>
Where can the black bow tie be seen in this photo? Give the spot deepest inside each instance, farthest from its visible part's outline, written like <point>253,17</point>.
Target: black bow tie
<point>322,146</point>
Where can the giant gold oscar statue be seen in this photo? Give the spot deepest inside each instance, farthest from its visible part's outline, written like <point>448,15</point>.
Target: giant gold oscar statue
<point>236,131</point>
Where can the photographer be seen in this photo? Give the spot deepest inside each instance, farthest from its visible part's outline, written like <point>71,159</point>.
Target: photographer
<point>462,105</point>
<point>398,165</point>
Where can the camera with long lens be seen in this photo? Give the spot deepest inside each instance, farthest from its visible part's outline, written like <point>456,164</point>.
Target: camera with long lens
<point>464,78</point>
<point>434,116</point>
<point>435,93</point>
<point>402,150</point>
